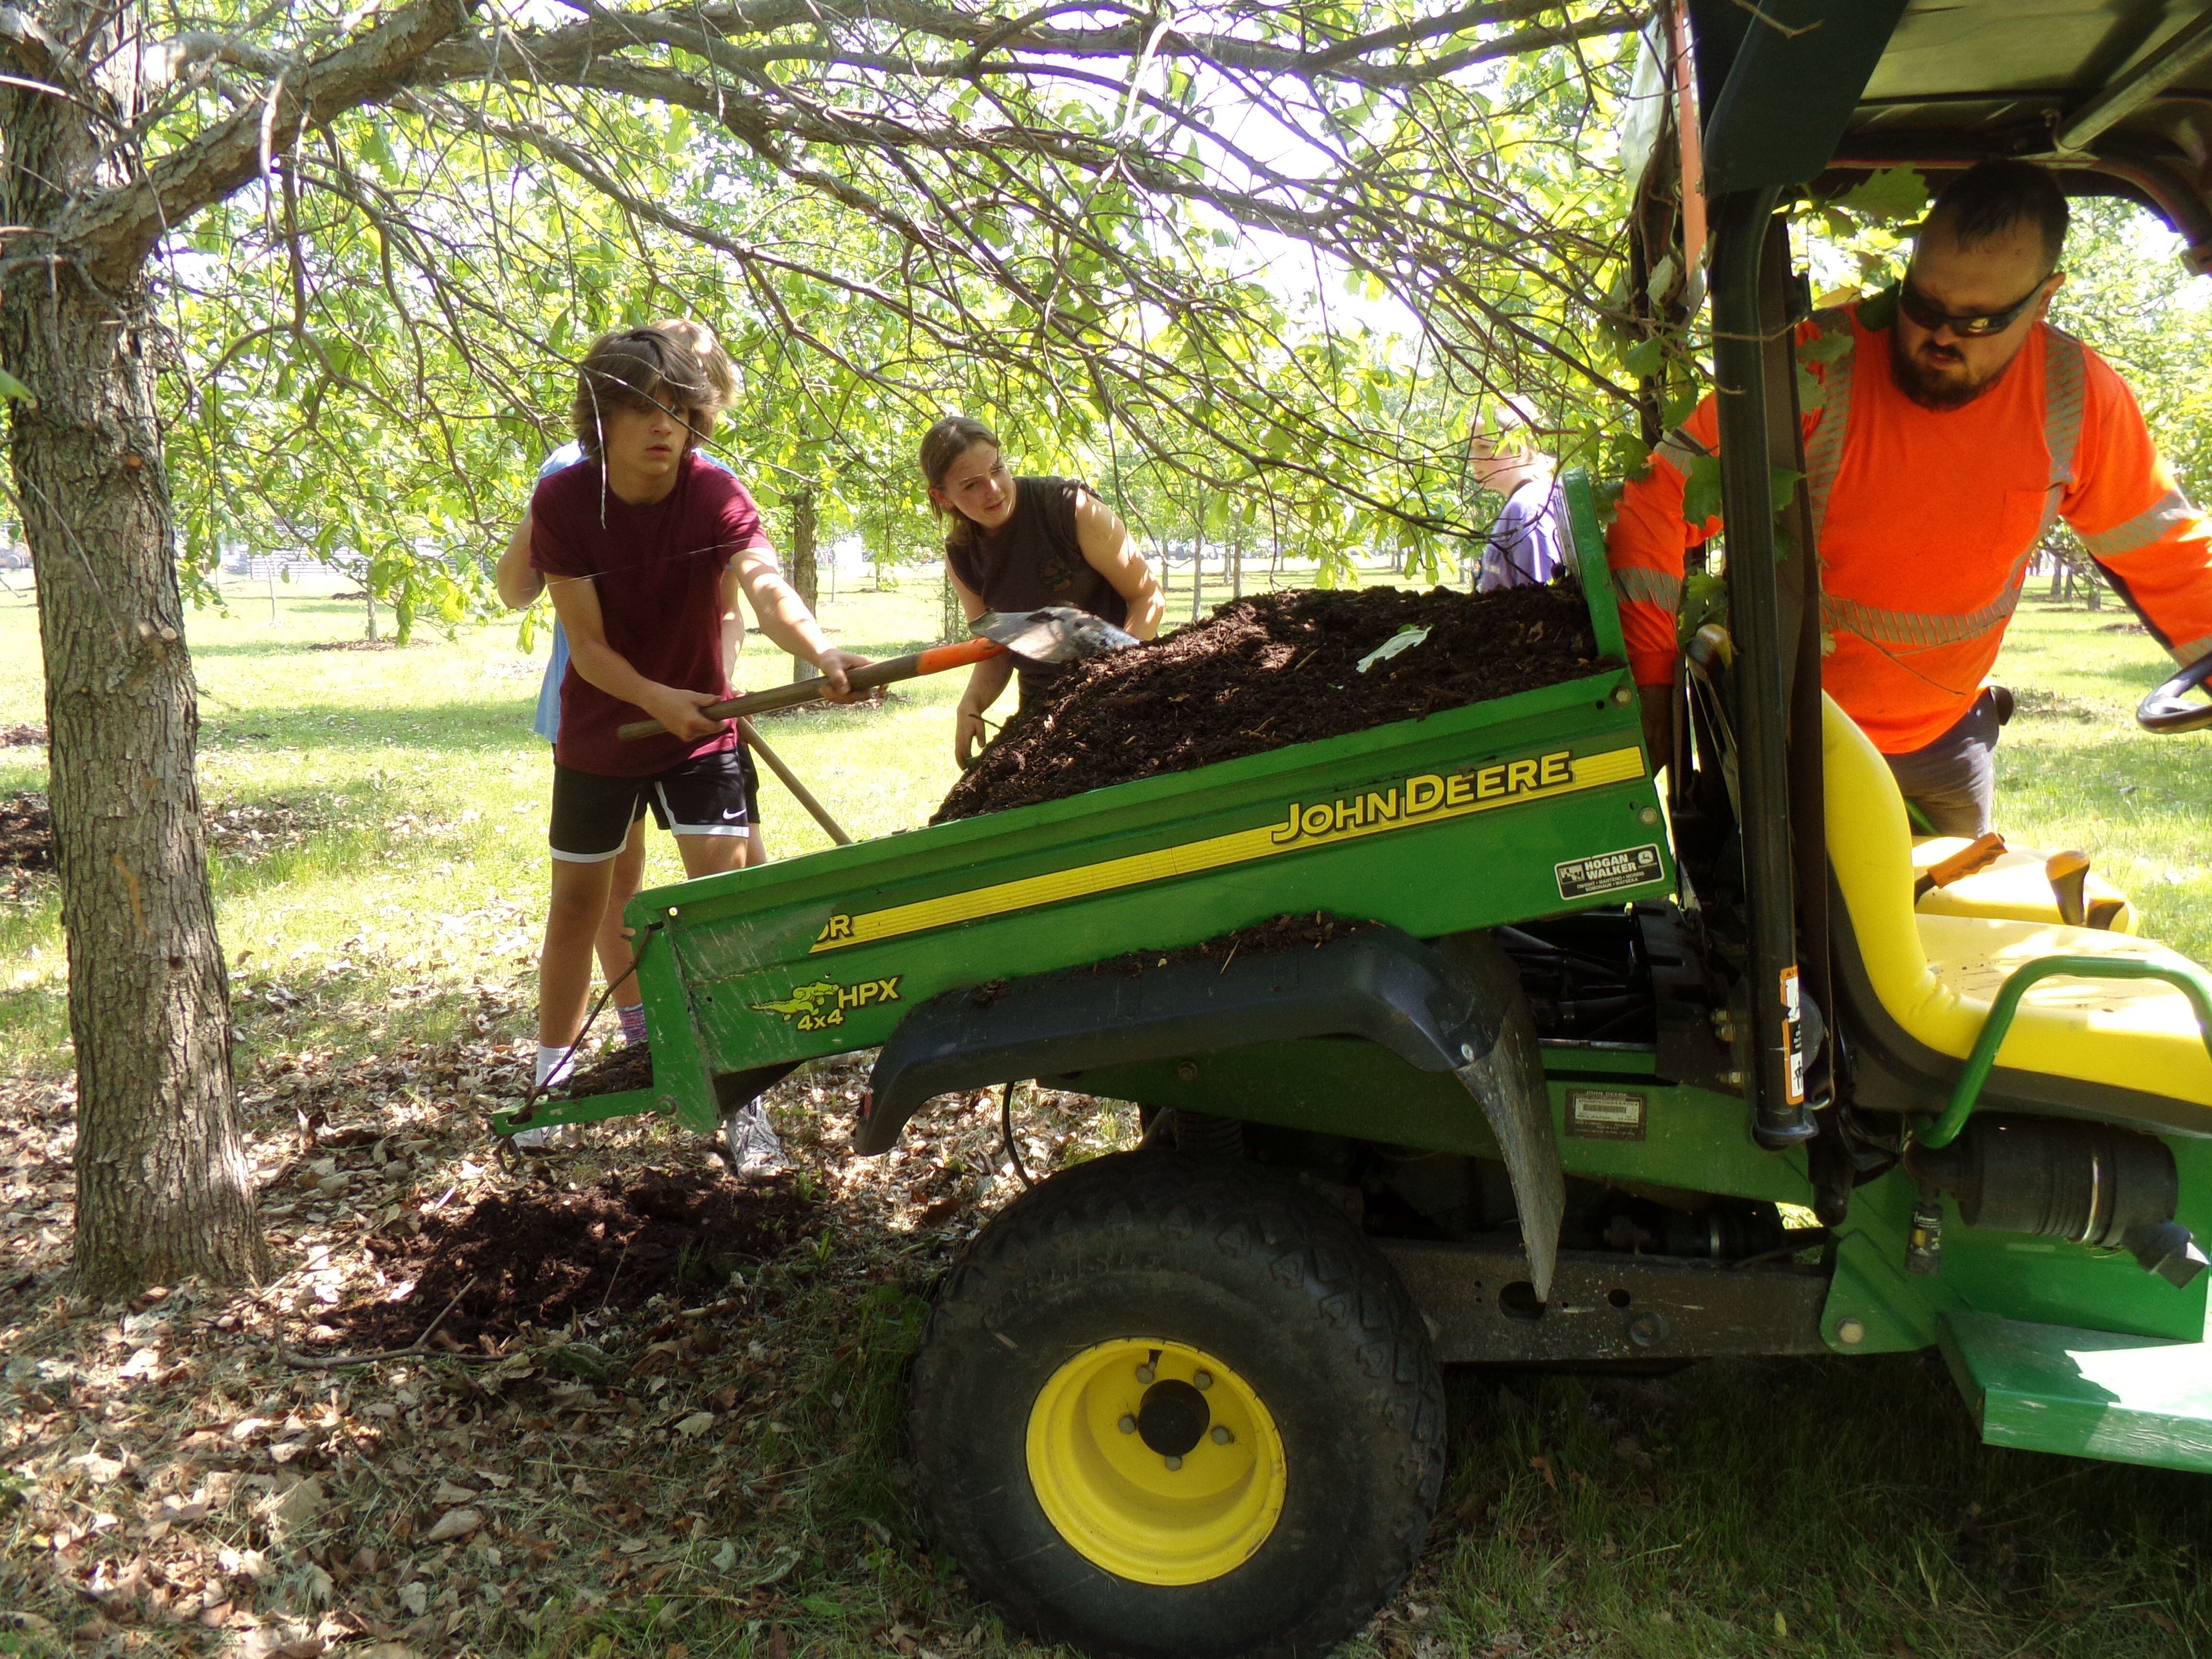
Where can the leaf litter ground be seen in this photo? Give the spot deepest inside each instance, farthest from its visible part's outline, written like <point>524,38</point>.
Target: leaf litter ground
<point>1279,669</point>
<point>720,1471</point>
<point>663,1413</point>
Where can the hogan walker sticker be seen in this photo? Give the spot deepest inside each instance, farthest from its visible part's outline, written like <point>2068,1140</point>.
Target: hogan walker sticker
<point>1607,872</point>
<point>1421,795</point>
<point>819,1007</point>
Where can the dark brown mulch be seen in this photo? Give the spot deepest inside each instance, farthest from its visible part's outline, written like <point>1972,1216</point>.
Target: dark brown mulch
<point>1262,672</point>
<point>239,830</point>
<point>543,1259</point>
<point>21,736</point>
<point>355,645</point>
<point>27,832</point>
<point>630,1066</point>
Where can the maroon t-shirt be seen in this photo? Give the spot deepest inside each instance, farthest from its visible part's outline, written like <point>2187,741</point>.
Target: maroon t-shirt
<point>659,572</point>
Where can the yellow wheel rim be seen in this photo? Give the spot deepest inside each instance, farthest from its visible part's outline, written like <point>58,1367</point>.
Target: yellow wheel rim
<point>1156,1462</point>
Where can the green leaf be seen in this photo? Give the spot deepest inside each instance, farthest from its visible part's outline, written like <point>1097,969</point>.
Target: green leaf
<point>1878,311</point>
<point>1893,195</point>
<point>12,387</point>
<point>1645,358</point>
<point>1701,493</point>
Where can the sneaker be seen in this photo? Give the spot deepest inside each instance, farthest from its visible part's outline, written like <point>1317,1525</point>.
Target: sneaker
<point>750,1142</point>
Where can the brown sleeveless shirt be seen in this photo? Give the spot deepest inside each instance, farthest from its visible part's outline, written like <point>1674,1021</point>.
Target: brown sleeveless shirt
<point>1033,561</point>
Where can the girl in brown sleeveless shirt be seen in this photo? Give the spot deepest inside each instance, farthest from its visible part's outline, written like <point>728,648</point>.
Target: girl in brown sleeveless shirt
<point>1019,544</point>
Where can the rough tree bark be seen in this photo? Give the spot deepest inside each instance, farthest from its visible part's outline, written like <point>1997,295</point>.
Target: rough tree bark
<point>163,1188</point>
<point>805,572</point>
<point>162,1183</point>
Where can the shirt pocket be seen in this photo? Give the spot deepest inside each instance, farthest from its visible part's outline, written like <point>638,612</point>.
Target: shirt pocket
<point>2014,536</point>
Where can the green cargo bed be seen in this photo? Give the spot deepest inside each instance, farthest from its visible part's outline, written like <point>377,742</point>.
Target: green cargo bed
<point>1524,806</point>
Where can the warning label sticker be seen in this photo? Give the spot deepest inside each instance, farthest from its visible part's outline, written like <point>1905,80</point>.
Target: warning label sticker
<point>1607,872</point>
<point>1606,1113</point>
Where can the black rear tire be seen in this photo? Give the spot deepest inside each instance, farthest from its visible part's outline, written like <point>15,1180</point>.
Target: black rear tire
<point>1237,1263</point>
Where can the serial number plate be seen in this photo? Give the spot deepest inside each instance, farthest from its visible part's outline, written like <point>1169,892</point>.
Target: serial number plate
<point>1606,1113</point>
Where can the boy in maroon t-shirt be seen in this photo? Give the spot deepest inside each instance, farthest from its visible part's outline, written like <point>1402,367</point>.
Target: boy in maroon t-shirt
<point>644,547</point>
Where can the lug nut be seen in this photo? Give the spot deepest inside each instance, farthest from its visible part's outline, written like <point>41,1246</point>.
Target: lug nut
<point>1174,1462</point>
<point>1128,1424</point>
<point>1145,1373</point>
<point>1221,1435</point>
<point>1201,1379</point>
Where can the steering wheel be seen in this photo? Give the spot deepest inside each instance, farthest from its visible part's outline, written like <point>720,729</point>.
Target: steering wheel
<point>2164,709</point>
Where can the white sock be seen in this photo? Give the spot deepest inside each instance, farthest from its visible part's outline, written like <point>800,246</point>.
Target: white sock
<point>554,1063</point>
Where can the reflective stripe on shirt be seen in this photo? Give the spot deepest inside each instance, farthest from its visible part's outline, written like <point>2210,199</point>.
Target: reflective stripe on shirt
<point>1655,587</point>
<point>2168,514</point>
<point>1679,449</point>
<point>1823,450</point>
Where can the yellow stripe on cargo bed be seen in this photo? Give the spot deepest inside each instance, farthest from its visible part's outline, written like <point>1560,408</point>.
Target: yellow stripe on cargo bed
<point>1410,803</point>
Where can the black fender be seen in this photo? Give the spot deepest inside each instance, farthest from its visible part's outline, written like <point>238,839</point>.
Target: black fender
<point>1455,1005</point>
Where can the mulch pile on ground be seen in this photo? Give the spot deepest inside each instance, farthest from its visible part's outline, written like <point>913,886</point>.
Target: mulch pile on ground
<point>23,735</point>
<point>27,833</point>
<point>545,1258</point>
<point>1279,669</point>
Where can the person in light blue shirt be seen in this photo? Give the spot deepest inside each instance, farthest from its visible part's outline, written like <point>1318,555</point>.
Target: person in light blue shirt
<point>1525,546</point>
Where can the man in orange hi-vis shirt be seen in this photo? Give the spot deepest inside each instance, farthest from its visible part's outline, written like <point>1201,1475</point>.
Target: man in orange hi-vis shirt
<point>1949,437</point>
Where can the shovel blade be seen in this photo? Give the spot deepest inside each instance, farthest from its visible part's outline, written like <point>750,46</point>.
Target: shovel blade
<point>1058,633</point>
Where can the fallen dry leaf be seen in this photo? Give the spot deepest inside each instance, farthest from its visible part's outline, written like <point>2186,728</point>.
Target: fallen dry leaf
<point>454,1523</point>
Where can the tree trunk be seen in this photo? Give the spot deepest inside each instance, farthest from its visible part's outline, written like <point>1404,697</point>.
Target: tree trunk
<point>952,617</point>
<point>804,574</point>
<point>163,1188</point>
<point>1198,561</point>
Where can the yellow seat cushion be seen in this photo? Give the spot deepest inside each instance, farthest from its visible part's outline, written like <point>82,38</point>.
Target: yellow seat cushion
<point>1937,974</point>
<point>2013,888</point>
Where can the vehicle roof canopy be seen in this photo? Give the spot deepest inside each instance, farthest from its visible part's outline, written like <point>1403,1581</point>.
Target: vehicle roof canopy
<point>2115,96</point>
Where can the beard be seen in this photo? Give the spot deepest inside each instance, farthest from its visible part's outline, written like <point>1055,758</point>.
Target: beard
<point>1920,381</point>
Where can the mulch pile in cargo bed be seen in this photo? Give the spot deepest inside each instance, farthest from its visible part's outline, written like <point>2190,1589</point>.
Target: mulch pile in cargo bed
<point>541,1258</point>
<point>1279,669</point>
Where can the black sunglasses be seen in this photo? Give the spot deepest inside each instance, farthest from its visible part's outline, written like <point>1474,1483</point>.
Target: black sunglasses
<point>1974,324</point>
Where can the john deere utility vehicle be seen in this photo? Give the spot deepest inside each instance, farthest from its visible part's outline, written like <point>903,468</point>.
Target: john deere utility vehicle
<point>1184,1401</point>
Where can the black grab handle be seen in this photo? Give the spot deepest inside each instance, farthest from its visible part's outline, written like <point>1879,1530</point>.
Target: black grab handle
<point>2164,709</point>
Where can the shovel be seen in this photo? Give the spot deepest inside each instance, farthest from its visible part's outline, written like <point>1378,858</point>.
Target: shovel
<point>1060,634</point>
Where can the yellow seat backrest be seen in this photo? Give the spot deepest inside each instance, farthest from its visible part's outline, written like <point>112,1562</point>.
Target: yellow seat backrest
<point>1935,975</point>
<point>1871,850</point>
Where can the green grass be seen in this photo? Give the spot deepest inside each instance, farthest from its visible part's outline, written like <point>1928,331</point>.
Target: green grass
<point>1822,1507</point>
<point>413,794</point>
<point>2073,768</point>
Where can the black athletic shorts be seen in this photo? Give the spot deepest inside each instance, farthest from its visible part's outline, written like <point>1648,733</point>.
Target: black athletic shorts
<point>712,794</point>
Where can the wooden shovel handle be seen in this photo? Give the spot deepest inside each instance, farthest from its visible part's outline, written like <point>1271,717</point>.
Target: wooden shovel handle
<point>935,661</point>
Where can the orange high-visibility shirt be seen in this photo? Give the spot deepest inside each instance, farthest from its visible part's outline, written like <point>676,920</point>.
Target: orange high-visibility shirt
<point>1926,521</point>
